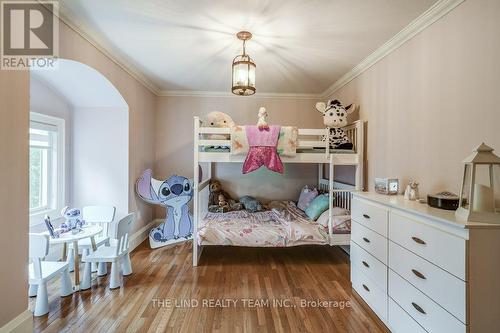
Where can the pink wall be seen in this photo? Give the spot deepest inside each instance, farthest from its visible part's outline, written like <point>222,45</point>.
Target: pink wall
<point>14,115</point>
<point>429,103</point>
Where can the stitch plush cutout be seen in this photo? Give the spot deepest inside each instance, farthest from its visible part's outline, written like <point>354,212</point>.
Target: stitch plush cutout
<point>174,194</point>
<point>73,220</point>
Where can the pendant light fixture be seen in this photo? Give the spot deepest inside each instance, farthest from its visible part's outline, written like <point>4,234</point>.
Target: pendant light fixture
<point>243,81</point>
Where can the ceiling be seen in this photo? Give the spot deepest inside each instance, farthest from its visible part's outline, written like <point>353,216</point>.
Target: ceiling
<point>300,47</point>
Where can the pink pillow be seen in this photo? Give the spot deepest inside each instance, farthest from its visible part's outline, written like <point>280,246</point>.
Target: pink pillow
<point>306,197</point>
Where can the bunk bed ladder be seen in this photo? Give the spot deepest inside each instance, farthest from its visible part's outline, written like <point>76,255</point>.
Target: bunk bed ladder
<point>330,196</point>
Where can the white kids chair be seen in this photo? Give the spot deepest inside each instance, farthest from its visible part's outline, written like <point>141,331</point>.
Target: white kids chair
<point>42,271</point>
<point>118,255</point>
<point>102,216</point>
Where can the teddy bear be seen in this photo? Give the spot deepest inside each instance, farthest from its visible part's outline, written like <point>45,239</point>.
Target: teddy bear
<point>334,118</point>
<point>215,189</point>
<point>223,204</point>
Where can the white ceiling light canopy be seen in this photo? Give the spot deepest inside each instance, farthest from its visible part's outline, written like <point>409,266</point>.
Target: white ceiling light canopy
<point>243,73</point>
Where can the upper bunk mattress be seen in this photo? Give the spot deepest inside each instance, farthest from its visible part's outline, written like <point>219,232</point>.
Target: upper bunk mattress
<point>282,226</point>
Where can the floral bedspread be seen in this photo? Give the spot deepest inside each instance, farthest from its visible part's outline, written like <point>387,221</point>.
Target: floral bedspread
<point>283,225</point>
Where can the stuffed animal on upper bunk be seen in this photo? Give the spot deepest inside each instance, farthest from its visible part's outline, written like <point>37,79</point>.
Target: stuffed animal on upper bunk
<point>251,204</point>
<point>218,195</point>
<point>262,119</point>
<point>73,220</point>
<point>218,120</point>
<point>335,118</point>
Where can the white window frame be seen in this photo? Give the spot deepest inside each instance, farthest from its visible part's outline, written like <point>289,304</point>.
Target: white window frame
<point>56,203</point>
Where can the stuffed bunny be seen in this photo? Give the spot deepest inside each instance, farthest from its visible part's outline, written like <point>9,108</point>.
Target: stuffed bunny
<point>262,122</point>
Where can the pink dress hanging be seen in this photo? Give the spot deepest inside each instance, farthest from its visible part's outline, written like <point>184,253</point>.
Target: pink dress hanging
<point>262,150</point>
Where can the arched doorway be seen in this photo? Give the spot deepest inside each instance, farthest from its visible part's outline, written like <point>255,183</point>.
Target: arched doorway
<point>94,126</point>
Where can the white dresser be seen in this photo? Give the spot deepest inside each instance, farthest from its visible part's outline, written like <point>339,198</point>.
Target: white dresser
<point>420,270</point>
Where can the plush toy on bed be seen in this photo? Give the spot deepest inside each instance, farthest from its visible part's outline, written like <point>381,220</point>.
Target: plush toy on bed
<point>334,118</point>
<point>219,120</point>
<point>223,204</point>
<point>73,220</point>
<point>251,204</point>
<point>215,189</point>
<point>262,121</point>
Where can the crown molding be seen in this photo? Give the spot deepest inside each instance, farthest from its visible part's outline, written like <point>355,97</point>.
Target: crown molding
<point>94,38</point>
<point>192,93</point>
<point>434,13</point>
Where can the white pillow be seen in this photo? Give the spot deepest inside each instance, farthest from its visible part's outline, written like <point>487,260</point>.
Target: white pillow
<point>337,211</point>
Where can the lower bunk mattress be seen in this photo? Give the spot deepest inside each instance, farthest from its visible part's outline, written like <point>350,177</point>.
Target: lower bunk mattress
<point>283,225</point>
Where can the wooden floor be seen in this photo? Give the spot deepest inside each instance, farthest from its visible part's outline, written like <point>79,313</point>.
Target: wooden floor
<point>233,290</point>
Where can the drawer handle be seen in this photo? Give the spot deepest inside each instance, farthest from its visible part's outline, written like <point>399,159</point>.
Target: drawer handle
<point>418,308</point>
<point>366,288</point>
<point>418,274</point>
<point>418,240</point>
<point>366,239</point>
<point>366,216</point>
<point>366,264</point>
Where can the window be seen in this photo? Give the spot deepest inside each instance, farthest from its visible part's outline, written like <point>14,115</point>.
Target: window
<point>46,166</point>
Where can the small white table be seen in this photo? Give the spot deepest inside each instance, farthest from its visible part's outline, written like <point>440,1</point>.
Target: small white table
<point>69,237</point>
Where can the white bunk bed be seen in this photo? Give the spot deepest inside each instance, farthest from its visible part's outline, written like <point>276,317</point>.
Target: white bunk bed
<point>310,149</point>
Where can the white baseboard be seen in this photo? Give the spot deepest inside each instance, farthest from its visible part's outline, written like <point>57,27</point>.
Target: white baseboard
<point>23,323</point>
<point>142,234</point>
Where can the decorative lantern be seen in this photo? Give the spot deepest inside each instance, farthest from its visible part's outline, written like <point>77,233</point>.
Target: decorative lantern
<point>479,195</point>
<point>243,83</point>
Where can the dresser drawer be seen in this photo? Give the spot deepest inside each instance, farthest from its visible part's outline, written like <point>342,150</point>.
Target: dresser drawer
<point>368,290</point>
<point>370,215</point>
<point>369,265</point>
<point>369,240</point>
<point>445,250</point>
<point>444,288</point>
<point>400,322</point>
<point>431,316</point>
